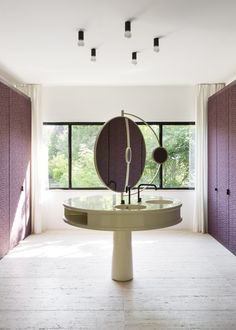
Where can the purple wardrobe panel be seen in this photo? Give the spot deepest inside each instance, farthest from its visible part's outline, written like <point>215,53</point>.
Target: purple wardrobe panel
<point>232,169</point>
<point>19,165</point>
<point>222,167</point>
<point>4,169</point>
<point>212,169</point>
<point>225,164</point>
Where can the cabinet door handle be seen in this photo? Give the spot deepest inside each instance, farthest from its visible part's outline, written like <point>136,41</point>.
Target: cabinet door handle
<point>216,189</point>
<point>228,192</point>
<point>22,188</point>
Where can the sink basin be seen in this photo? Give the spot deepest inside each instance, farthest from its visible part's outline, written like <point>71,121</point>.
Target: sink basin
<point>159,201</point>
<point>130,207</point>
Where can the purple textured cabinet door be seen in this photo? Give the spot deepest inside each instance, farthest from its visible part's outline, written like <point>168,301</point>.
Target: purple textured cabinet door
<point>232,169</point>
<point>212,168</point>
<point>4,169</point>
<point>222,167</point>
<point>19,167</point>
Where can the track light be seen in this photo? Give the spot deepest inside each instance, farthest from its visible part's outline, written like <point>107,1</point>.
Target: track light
<point>156,47</point>
<point>80,38</point>
<point>134,58</point>
<point>128,29</point>
<point>93,54</point>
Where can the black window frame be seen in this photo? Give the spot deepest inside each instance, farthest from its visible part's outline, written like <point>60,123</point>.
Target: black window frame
<point>157,123</point>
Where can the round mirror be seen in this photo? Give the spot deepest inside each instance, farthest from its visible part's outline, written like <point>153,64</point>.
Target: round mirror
<point>120,154</point>
<point>160,155</point>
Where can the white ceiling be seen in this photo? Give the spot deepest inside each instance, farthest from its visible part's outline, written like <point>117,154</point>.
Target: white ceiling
<point>39,41</point>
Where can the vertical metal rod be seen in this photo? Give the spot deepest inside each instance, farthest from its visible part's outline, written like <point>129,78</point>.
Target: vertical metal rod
<point>161,166</point>
<point>69,156</point>
<point>128,146</point>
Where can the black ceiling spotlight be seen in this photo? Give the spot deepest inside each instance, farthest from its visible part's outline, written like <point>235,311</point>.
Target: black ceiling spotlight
<point>128,29</point>
<point>156,47</point>
<point>93,54</point>
<point>134,58</point>
<point>81,38</point>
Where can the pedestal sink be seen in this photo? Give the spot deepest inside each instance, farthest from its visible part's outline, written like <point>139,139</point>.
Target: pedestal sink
<point>103,212</point>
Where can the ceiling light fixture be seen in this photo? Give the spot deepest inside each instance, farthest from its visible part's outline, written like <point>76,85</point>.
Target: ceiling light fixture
<point>134,58</point>
<point>128,29</point>
<point>156,47</point>
<point>80,38</point>
<point>93,54</point>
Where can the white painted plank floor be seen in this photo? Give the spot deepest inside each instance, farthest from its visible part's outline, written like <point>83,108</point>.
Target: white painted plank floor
<point>61,280</point>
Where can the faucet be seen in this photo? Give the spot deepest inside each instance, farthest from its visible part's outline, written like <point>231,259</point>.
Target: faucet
<point>145,185</point>
<point>128,190</point>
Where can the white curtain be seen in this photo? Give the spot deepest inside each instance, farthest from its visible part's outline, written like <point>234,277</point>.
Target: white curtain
<point>203,91</point>
<point>34,92</point>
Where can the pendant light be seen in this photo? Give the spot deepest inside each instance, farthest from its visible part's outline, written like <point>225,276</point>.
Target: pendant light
<point>128,29</point>
<point>93,54</point>
<point>156,47</point>
<point>81,38</point>
<point>134,58</point>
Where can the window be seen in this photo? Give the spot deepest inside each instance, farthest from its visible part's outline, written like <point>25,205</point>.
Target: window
<point>150,168</point>
<point>179,169</point>
<point>84,173</point>
<point>58,154</point>
<point>70,155</point>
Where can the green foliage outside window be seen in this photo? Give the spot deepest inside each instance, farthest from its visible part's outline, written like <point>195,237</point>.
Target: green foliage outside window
<point>179,169</point>
<point>57,141</point>
<point>151,166</point>
<point>83,169</point>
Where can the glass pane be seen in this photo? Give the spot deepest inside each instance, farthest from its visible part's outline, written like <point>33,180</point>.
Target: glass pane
<point>179,169</point>
<point>56,137</point>
<point>151,166</point>
<point>84,174</point>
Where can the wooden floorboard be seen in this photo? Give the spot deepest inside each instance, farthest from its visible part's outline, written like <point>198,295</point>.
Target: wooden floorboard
<point>62,280</point>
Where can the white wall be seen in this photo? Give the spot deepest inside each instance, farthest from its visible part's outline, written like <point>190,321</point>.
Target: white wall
<point>231,79</point>
<point>86,103</point>
<point>101,103</point>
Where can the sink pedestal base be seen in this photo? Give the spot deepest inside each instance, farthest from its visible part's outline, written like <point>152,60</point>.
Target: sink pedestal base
<point>122,263</point>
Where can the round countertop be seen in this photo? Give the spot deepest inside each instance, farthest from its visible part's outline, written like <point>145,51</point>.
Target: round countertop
<point>111,203</point>
<point>105,212</point>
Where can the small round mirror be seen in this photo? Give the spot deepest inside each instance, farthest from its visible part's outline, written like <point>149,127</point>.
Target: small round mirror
<point>120,154</point>
<point>160,155</point>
